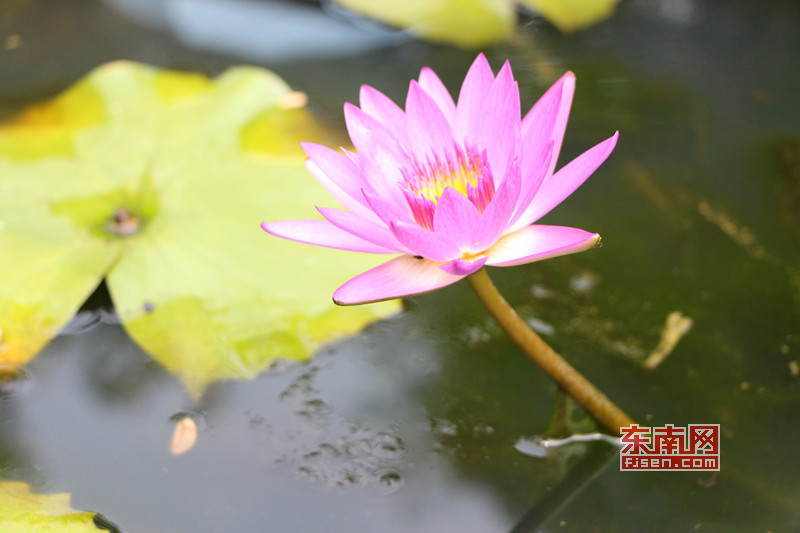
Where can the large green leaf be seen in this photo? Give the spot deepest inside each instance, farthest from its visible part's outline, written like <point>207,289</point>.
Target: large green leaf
<point>475,23</point>
<point>22,511</point>
<point>158,180</point>
<point>468,23</point>
<point>571,15</point>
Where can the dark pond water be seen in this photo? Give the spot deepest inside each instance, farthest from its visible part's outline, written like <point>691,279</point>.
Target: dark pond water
<point>412,425</point>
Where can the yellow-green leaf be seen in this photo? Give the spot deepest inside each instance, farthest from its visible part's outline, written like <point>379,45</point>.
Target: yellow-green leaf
<point>476,23</point>
<point>22,511</point>
<point>161,188</point>
<point>571,15</point>
<point>468,23</point>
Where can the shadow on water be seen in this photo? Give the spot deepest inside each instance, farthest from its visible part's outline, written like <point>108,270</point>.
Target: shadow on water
<point>412,425</point>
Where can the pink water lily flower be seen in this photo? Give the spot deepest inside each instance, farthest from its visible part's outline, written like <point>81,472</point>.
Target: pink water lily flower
<point>451,187</point>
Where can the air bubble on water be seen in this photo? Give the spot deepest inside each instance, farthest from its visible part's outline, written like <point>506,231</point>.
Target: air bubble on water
<point>301,386</point>
<point>256,422</point>
<point>387,446</point>
<point>390,480</point>
<point>329,450</point>
<point>313,409</point>
<point>444,427</point>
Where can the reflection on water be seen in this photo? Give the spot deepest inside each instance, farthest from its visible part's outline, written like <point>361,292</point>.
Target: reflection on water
<point>412,425</point>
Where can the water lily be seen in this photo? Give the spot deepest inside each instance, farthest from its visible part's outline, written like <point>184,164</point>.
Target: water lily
<point>453,187</point>
<point>449,186</point>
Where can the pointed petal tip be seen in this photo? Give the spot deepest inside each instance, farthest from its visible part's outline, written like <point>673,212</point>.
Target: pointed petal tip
<point>265,227</point>
<point>609,145</point>
<point>343,303</point>
<point>567,82</point>
<point>539,242</point>
<point>482,62</point>
<point>366,92</point>
<point>426,71</point>
<point>349,108</point>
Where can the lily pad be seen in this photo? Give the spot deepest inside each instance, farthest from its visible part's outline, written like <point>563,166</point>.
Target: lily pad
<point>476,23</point>
<point>571,15</point>
<point>22,511</point>
<point>467,23</point>
<point>158,180</point>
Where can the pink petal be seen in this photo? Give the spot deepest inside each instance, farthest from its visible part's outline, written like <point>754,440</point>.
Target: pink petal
<point>380,106</point>
<point>372,139</point>
<point>429,81</point>
<point>494,220</point>
<point>462,267</point>
<point>428,130</point>
<point>426,243</point>
<point>498,127</point>
<point>564,182</point>
<point>322,233</point>
<point>379,155</point>
<point>456,219</point>
<point>402,276</point>
<point>362,228</point>
<point>388,212</point>
<point>532,180</point>
<point>472,98</point>
<point>547,119</point>
<point>537,242</point>
<point>340,177</point>
<point>539,131</point>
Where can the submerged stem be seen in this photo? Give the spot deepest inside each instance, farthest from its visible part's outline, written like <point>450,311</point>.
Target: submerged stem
<point>570,380</point>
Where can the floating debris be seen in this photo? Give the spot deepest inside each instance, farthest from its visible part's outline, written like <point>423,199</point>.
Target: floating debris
<point>540,291</point>
<point>13,42</point>
<point>292,100</point>
<point>676,327</point>
<point>184,436</point>
<point>584,283</point>
<point>540,326</point>
<point>537,446</point>
<point>741,235</point>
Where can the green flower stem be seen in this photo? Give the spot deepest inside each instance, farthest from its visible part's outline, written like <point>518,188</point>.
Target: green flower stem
<point>587,395</point>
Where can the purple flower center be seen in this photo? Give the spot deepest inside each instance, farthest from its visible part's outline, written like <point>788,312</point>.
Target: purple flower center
<point>464,169</point>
